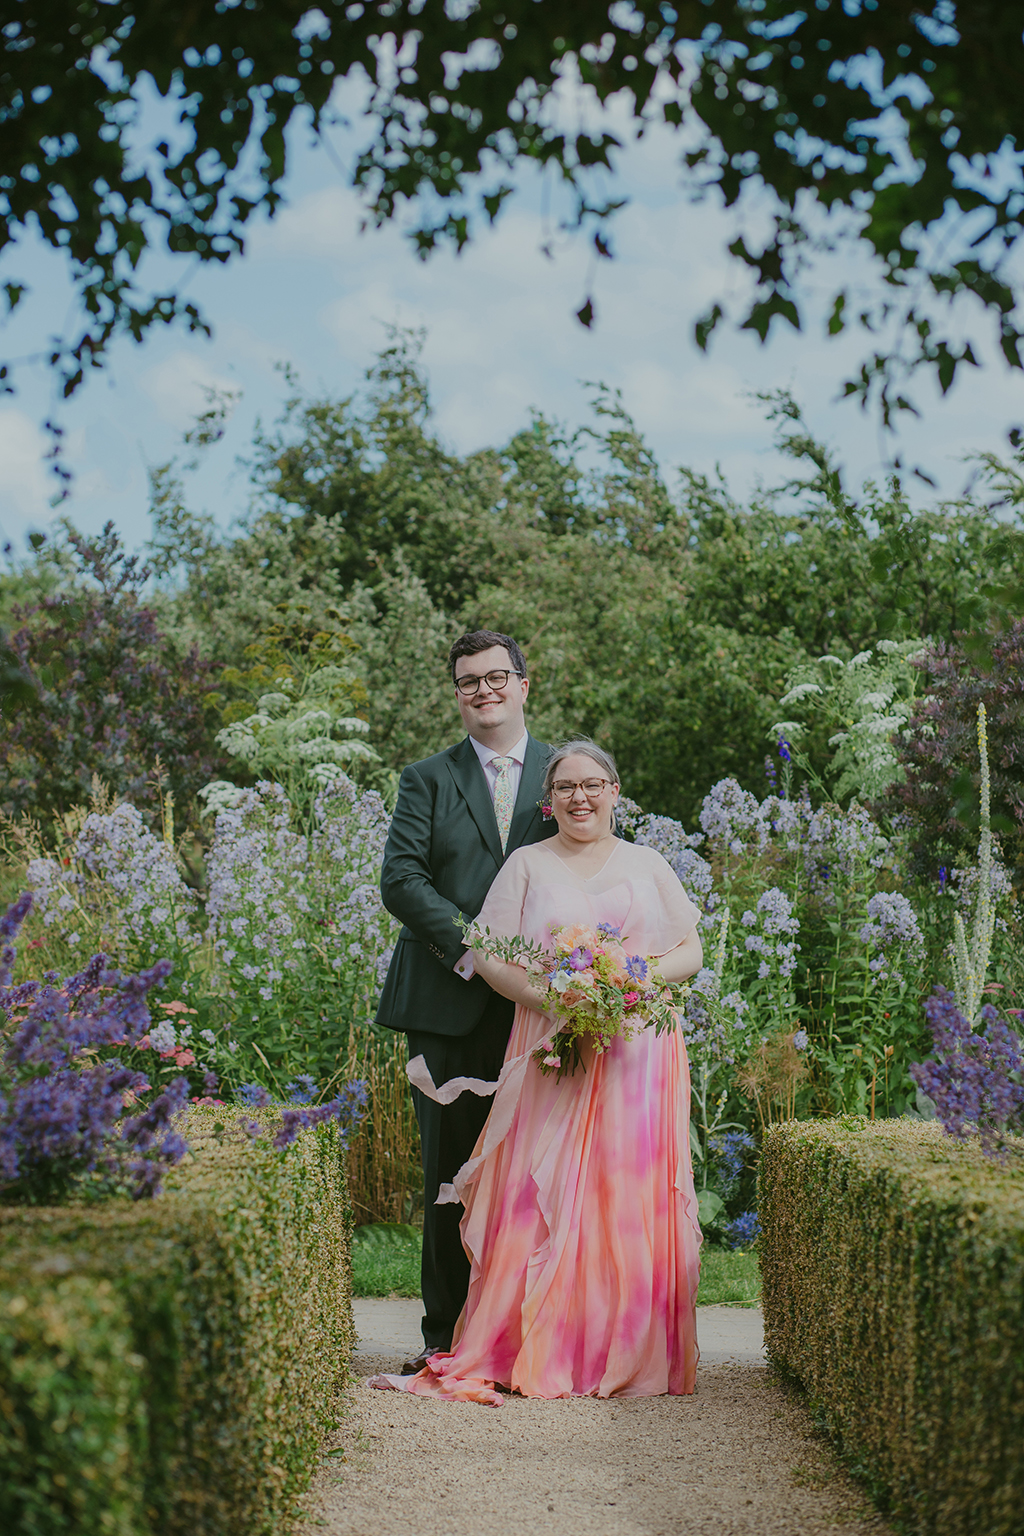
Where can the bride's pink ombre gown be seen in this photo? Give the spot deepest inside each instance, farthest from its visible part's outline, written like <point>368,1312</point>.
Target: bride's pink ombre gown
<point>581,1218</point>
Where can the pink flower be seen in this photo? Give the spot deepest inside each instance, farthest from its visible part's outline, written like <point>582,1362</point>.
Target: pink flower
<point>631,999</point>
<point>176,1008</point>
<point>182,1058</point>
<point>552,1061</point>
<point>143,1044</point>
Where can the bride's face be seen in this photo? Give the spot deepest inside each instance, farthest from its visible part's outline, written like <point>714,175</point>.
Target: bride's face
<point>585,815</point>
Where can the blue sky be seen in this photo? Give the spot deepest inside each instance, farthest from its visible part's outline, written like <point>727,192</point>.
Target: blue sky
<point>313,292</point>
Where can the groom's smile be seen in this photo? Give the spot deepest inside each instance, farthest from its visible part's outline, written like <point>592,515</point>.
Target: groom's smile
<point>492,713</point>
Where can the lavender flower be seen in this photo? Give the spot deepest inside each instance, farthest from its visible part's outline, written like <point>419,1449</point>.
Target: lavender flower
<point>731,816</point>
<point>800,1040</point>
<point>975,1079</point>
<point>348,1109</point>
<point>774,919</point>
<point>253,1094</point>
<point>61,1101</point>
<point>124,880</point>
<point>163,1037</point>
<point>302,1090</point>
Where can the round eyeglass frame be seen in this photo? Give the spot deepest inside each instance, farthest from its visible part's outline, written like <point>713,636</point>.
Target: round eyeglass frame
<point>469,677</point>
<point>560,792</point>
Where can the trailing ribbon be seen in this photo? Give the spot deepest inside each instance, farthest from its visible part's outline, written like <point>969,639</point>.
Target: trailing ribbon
<point>506,1093</point>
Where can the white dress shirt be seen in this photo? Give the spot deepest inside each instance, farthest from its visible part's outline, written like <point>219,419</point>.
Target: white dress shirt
<point>465,967</point>
<point>515,773</point>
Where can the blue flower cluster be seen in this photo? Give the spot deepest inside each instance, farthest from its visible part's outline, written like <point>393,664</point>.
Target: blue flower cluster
<point>348,1108</point>
<point>729,1151</point>
<point>62,1103</point>
<point>975,1080</point>
<point>743,1231</point>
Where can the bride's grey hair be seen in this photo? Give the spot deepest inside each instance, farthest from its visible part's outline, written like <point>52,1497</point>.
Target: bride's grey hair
<point>588,748</point>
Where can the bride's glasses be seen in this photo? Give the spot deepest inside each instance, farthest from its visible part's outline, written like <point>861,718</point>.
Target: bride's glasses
<point>564,790</point>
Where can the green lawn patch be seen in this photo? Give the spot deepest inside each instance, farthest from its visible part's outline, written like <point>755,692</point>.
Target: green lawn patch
<point>729,1277</point>
<point>386,1260</point>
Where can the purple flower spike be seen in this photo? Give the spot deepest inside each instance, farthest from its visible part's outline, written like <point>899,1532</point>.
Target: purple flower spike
<point>62,1100</point>
<point>975,1079</point>
<point>348,1109</point>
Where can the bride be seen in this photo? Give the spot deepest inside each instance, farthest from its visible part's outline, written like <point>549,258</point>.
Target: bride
<point>580,1216</point>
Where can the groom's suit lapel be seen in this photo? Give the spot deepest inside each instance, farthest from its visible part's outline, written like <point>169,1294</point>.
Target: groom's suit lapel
<point>464,767</point>
<point>531,788</point>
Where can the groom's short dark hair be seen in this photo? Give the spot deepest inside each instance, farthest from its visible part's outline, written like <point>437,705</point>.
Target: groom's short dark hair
<point>482,640</point>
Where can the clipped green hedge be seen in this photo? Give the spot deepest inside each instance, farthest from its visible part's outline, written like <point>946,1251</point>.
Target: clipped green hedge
<point>170,1366</point>
<point>893,1266</point>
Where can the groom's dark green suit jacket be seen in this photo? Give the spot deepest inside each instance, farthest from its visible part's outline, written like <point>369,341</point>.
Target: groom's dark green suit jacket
<point>442,853</point>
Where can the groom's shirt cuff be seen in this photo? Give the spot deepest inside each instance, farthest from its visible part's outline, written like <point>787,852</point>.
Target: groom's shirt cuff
<point>465,967</point>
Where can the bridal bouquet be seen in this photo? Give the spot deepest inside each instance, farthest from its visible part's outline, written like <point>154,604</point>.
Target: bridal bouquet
<point>596,990</point>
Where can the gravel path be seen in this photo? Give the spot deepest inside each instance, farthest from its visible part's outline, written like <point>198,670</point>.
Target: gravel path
<point>739,1458</point>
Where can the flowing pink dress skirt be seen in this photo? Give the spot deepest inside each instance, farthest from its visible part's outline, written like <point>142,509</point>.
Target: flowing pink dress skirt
<point>581,1228</point>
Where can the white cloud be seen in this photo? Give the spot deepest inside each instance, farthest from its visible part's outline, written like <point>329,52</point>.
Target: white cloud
<point>177,386</point>
<point>25,485</point>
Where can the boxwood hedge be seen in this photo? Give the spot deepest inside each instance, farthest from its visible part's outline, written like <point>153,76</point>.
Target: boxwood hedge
<point>171,1365</point>
<point>893,1267</point>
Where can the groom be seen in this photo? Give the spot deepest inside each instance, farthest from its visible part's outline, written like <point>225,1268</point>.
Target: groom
<point>458,817</point>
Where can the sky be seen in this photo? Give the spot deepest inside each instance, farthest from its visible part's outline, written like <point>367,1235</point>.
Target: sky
<point>314,293</point>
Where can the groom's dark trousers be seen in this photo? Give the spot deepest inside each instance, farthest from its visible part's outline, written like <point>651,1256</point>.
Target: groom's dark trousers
<point>442,853</point>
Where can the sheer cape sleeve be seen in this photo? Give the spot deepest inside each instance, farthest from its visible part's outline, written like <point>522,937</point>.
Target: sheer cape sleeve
<point>502,911</point>
<point>673,916</point>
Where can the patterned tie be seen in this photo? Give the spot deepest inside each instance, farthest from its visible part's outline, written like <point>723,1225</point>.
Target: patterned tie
<point>504,800</point>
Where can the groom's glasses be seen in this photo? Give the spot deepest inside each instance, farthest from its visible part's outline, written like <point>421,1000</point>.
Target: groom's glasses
<point>563,790</point>
<point>494,680</point>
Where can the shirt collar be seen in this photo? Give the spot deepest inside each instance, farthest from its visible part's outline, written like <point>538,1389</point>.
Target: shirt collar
<point>517,753</point>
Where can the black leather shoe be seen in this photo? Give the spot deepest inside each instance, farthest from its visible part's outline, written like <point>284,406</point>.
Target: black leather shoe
<point>410,1367</point>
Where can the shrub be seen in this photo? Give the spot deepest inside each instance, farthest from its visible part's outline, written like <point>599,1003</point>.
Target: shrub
<point>110,697</point>
<point>940,739</point>
<point>893,1265</point>
<point>171,1365</point>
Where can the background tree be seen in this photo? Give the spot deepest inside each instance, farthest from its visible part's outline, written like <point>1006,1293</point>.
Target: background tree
<point>938,749</point>
<point>112,693</point>
<point>668,624</point>
<point>901,119</point>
